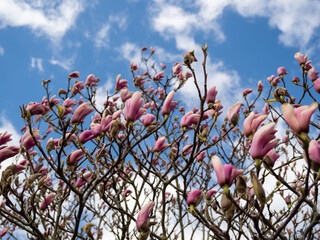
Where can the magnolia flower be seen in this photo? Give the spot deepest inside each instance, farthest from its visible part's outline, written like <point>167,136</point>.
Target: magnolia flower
<point>92,81</point>
<point>263,141</point>
<point>86,136</point>
<point>302,59</point>
<point>8,152</point>
<point>160,145</point>
<point>143,218</point>
<point>5,138</point>
<point>298,118</point>
<point>211,95</point>
<point>37,108</point>
<point>148,119</point>
<point>133,110</point>
<point>282,71</point>
<point>313,74</point>
<point>81,112</point>
<point>234,111</point>
<point>47,201</point>
<point>120,83</point>
<point>252,122</point>
<point>188,119</point>
<point>225,173</point>
<point>75,157</point>
<point>27,140</point>
<point>209,194</point>
<point>271,158</point>
<point>74,75</point>
<point>168,104</point>
<point>194,198</point>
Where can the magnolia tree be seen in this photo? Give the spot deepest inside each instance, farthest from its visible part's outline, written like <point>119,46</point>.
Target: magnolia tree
<point>145,167</point>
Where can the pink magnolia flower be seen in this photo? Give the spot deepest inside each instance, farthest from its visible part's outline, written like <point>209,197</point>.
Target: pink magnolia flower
<point>27,140</point>
<point>81,112</point>
<point>235,109</point>
<point>282,71</point>
<point>260,86</point>
<point>86,136</point>
<point>270,79</point>
<point>314,151</point>
<point>77,87</point>
<point>8,152</point>
<point>83,180</point>
<point>125,94</point>
<point>148,119</point>
<point>271,157</point>
<point>209,194</point>
<point>74,75</point>
<point>159,76</point>
<point>194,198</point>
<point>168,104</point>
<point>160,144</point>
<point>263,141</point>
<point>143,218</point>
<point>201,156</point>
<point>211,95</point>
<point>5,138</point>
<point>133,110</point>
<point>126,193</point>
<point>120,84</point>
<point>252,122</point>
<point>313,74</point>
<point>47,201</point>
<point>226,174</point>
<point>177,68</point>
<point>37,108</point>
<point>188,119</point>
<point>317,85</point>
<point>92,81</point>
<point>298,118</point>
<point>246,92</point>
<point>75,157</point>
<point>302,59</point>
<point>187,149</point>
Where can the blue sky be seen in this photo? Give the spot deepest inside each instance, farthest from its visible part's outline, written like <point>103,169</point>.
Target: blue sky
<point>248,40</point>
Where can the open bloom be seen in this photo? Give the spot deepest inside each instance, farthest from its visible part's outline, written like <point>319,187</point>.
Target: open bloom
<point>188,119</point>
<point>120,83</point>
<point>133,110</point>
<point>81,112</point>
<point>263,141</point>
<point>225,173</point>
<point>252,122</point>
<point>302,59</point>
<point>168,104</point>
<point>148,119</point>
<point>92,81</point>
<point>160,145</point>
<point>282,71</point>
<point>298,118</point>
<point>143,218</point>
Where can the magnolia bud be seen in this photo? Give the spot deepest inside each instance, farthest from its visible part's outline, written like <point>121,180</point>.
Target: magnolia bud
<point>258,189</point>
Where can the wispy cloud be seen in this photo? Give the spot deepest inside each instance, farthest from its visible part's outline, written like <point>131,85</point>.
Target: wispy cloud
<point>37,63</point>
<point>102,37</point>
<point>175,20</point>
<point>65,63</point>
<point>50,18</point>
<point>1,51</point>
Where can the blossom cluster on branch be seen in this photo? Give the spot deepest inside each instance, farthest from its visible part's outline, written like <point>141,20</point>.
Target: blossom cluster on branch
<point>144,166</point>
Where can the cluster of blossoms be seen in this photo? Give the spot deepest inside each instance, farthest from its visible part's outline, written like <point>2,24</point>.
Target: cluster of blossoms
<point>145,158</point>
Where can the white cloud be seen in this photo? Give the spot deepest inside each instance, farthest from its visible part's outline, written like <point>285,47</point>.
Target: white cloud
<point>65,63</point>
<point>37,63</point>
<point>102,38</point>
<point>1,51</point>
<point>101,94</point>
<point>50,18</point>
<point>296,20</point>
